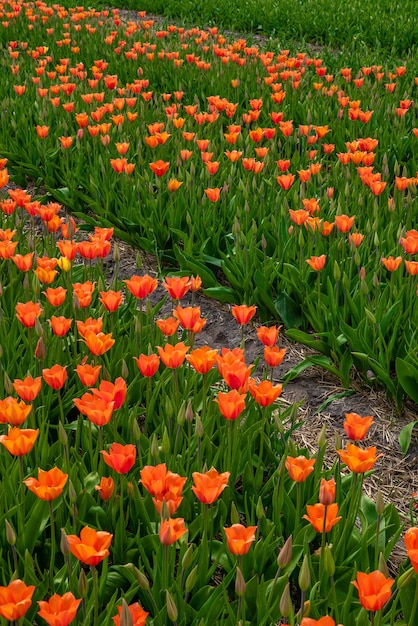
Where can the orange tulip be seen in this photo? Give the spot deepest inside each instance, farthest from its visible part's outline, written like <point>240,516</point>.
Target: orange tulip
<point>28,388</point>
<point>357,459</point>
<point>285,181</point>
<point>112,392</point>
<point>159,167</point>
<point>213,194</point>
<point>171,530</point>
<point>355,239</point>
<point>231,404</point>
<point>356,426</point>
<point>28,312</point>
<point>98,344</point>
<point>120,458</point>
<point>55,376</point>
<point>202,359</point>
<point>42,131</point>
<point>90,324</point>
<point>391,264</point>
<point>23,261</point>
<point>168,326</point>
<point>374,589</point>
<point>59,610</point>
<point>209,486</point>
<point>111,300</point>
<point>411,267</point>
<point>239,538</point>
<point>299,467</point>
<point>148,364</point>
<point>88,374</point>
<point>55,296</point>
<point>106,488</point>
<point>96,410</point>
<point>13,412</point>
<point>316,515</point>
<point>91,547</point>
<point>19,441</point>
<point>243,313</point>
<point>322,621</point>
<point>265,393</point>
<point>268,336</point>
<point>49,485</point>
<point>317,262</point>
<point>189,318</point>
<point>344,222</point>
<point>84,293</point>
<point>177,286</point>
<point>327,491</point>
<point>173,356</point>
<point>411,545</point>
<point>60,325</point>
<point>138,615</point>
<point>274,356</point>
<point>15,600</point>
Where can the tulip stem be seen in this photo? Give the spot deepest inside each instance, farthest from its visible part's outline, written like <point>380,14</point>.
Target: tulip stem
<point>53,546</point>
<point>21,510</point>
<point>95,595</point>
<point>414,606</point>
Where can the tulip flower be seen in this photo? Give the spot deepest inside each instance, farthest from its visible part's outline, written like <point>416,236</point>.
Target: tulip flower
<point>88,374</point>
<point>137,613</point>
<point>209,486</point>
<point>299,467</point>
<point>28,388</point>
<point>111,300</point>
<point>322,517</point>
<point>359,460</point>
<point>55,376</point>
<point>202,359</point>
<point>177,286</point>
<point>356,426</point>
<point>19,441</point>
<point>49,485</point>
<point>265,393</point>
<point>13,412</point>
<point>317,263</point>
<point>90,324</point>
<point>59,610</point>
<point>148,364</point>
<point>171,530</point>
<point>243,313</point>
<point>168,326</point>
<point>231,404</point>
<point>374,589</point>
<point>322,621</point>
<point>15,600</point>
<point>120,458</point>
<point>27,313</point>
<point>141,286</point>
<point>163,485</point>
<point>98,343</point>
<point>411,545</point>
<point>327,490</point>
<point>268,336</point>
<point>112,392</point>
<point>56,296</point>
<point>274,356</point>
<point>189,318</point>
<point>91,547</point>
<point>239,538</point>
<point>173,356</point>
<point>106,488</point>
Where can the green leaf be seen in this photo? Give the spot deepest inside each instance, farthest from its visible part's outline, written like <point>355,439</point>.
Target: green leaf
<point>405,436</point>
<point>289,311</point>
<point>408,377</point>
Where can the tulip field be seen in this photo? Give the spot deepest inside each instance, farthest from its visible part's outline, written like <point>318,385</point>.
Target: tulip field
<point>147,478</point>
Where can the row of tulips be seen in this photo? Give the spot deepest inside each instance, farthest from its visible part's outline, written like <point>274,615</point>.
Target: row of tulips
<point>329,146</point>
<point>149,479</point>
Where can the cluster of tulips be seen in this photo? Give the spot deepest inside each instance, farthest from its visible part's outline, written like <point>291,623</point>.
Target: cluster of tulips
<point>167,464</point>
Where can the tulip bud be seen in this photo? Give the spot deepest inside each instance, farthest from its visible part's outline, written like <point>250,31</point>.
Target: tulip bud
<point>164,513</point>
<point>141,579</point>
<point>199,427</point>
<point>306,610</point>
<point>191,579</point>
<point>64,543</point>
<point>62,435</point>
<point>181,415</point>
<point>39,328</point>
<point>383,565</point>
<point>285,554</point>
<point>281,470</point>
<point>380,503</point>
<point>322,438</point>
<point>10,534</point>
<point>116,253</point>
<point>327,491</point>
<point>125,616</point>
<point>40,350</point>
<point>304,575</point>
<point>72,492</point>
<point>337,271</point>
<point>83,584</point>
<point>357,258</point>
<point>259,511</point>
<point>165,444</point>
<point>234,514</point>
<point>329,563</point>
<point>155,450</point>
<point>136,431</point>
<point>8,385</point>
<point>338,441</point>
<point>64,264</point>
<point>240,585</point>
<point>124,369</point>
<point>187,558</point>
<point>138,261</point>
<point>172,611</point>
<point>26,284</point>
<point>36,285</point>
<point>189,413</point>
<point>168,407</point>
<point>286,607</point>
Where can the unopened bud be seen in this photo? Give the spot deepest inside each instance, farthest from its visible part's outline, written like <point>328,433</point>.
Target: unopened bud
<point>8,385</point>
<point>189,413</point>
<point>116,253</point>
<point>124,369</point>
<point>199,427</point>
<point>138,261</point>
<point>125,616</point>
<point>322,439</point>
<point>168,407</point>
<point>234,514</point>
<point>72,492</point>
<point>405,578</point>
<point>338,441</point>
<point>172,611</point>
<point>181,415</point>
<point>64,543</point>
<point>240,585</point>
<point>337,271</point>
<point>136,431</point>
<point>39,328</point>
<point>141,579</point>
<point>286,607</point>
<point>62,435</point>
<point>187,558</point>
<point>164,513</point>
<point>285,554</point>
<point>383,565</point>
<point>380,503</point>
<point>10,534</point>
<point>165,443</point>
<point>83,584</point>
<point>155,450</point>
<point>259,511</point>
<point>40,350</point>
<point>304,574</point>
<point>191,579</point>
<point>329,563</point>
